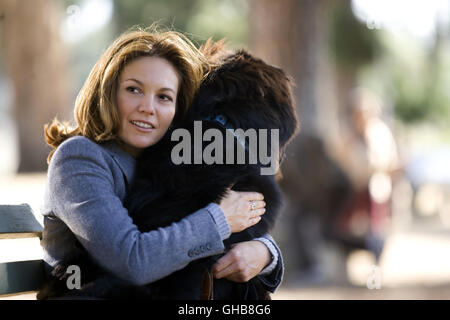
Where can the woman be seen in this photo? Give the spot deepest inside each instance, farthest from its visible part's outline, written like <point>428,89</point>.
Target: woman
<point>141,84</point>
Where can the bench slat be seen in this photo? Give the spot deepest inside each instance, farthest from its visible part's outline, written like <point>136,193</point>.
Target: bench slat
<point>21,276</point>
<point>18,221</point>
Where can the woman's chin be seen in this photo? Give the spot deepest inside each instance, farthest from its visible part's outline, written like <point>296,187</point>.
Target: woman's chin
<point>143,144</point>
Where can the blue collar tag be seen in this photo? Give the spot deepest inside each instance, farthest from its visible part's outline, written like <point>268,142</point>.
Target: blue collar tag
<point>220,118</point>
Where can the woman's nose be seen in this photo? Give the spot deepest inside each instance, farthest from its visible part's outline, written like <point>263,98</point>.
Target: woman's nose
<point>147,104</point>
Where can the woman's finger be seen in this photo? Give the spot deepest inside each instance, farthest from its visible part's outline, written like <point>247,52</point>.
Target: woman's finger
<point>225,272</point>
<point>230,263</point>
<point>258,204</point>
<point>247,261</point>
<point>253,221</point>
<point>251,196</point>
<point>258,212</point>
<point>223,263</point>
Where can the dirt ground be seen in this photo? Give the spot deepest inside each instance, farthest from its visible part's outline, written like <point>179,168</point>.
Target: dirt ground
<point>361,293</point>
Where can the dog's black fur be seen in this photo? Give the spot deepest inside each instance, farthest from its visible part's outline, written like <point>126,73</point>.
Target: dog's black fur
<point>251,95</point>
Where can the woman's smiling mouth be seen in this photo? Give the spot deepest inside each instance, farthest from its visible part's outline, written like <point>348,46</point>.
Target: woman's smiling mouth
<point>142,125</point>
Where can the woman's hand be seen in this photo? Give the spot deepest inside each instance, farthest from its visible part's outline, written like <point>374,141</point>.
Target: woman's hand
<point>243,262</point>
<point>242,209</point>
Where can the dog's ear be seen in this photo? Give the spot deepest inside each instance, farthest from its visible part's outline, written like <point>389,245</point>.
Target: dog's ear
<point>283,85</point>
<point>275,86</point>
<point>278,87</point>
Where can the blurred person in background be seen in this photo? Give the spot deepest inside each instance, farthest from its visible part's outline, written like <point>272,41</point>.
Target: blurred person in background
<point>370,158</point>
<point>316,188</point>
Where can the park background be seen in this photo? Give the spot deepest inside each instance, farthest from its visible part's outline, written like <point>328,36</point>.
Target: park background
<point>391,56</point>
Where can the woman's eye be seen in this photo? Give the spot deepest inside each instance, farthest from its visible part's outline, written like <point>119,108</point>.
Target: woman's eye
<point>133,89</point>
<point>165,97</point>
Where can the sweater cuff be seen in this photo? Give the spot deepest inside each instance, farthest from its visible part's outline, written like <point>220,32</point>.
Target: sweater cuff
<point>273,252</point>
<point>219,218</point>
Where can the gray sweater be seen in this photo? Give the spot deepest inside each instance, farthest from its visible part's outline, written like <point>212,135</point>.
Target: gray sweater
<point>85,189</point>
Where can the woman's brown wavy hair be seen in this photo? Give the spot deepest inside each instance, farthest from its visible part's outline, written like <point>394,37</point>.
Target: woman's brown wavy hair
<point>96,113</point>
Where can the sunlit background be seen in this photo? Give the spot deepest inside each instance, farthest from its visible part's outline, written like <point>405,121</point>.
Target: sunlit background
<point>367,180</point>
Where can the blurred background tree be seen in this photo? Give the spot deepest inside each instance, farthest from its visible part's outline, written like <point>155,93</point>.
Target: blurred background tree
<point>35,58</point>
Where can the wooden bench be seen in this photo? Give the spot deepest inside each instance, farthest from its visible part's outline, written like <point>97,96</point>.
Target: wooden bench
<point>18,221</point>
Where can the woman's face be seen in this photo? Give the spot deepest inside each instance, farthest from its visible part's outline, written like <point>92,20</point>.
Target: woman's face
<point>146,99</point>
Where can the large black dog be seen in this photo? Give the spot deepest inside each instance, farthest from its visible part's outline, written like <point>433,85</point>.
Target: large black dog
<point>241,92</point>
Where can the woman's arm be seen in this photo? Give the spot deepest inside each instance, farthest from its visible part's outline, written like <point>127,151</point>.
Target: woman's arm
<point>82,194</point>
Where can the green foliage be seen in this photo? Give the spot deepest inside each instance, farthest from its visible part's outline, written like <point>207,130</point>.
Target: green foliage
<point>352,45</point>
<point>416,79</point>
<point>198,19</point>
<point>169,13</point>
<point>420,85</point>
<point>221,19</point>
<point>410,106</point>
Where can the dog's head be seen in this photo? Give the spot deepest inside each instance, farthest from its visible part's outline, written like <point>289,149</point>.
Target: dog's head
<point>250,94</point>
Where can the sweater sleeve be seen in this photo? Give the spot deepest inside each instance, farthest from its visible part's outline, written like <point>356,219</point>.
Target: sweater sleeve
<point>81,188</point>
<point>272,275</point>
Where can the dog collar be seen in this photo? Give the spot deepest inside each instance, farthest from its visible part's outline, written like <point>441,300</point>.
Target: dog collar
<point>222,120</point>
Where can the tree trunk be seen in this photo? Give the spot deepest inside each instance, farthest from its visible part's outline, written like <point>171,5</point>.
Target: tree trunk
<point>285,33</point>
<point>292,35</point>
<point>36,62</point>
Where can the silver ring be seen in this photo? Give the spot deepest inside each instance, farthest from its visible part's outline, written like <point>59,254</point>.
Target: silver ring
<point>253,205</point>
